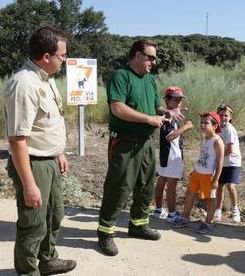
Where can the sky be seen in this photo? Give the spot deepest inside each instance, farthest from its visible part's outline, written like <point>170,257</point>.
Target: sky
<point>171,17</point>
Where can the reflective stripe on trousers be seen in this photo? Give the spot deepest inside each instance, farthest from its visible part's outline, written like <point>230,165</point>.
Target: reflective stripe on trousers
<point>140,222</point>
<point>107,230</point>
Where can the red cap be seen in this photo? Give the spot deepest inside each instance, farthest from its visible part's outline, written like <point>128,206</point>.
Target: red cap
<point>214,115</point>
<point>174,91</point>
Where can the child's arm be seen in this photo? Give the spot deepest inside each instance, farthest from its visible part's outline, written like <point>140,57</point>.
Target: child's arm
<point>219,150</point>
<point>228,149</point>
<point>229,140</point>
<point>176,133</point>
<point>175,113</point>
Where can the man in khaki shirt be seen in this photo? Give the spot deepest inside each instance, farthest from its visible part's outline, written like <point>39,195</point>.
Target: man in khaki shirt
<point>36,132</point>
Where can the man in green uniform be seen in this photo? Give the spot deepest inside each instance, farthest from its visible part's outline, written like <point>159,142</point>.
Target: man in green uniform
<point>133,100</point>
<point>36,133</point>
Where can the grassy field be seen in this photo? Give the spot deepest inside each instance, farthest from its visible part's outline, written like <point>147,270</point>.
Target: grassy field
<point>206,87</point>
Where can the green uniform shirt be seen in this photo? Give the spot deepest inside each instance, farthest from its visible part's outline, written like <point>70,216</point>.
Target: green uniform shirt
<point>138,92</point>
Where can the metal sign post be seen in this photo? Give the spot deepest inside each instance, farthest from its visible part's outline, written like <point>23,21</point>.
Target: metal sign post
<point>81,89</point>
<point>81,130</point>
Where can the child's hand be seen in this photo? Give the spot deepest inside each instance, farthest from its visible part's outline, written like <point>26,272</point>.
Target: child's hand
<point>213,193</point>
<point>176,113</point>
<point>215,184</point>
<point>172,135</point>
<point>188,125</point>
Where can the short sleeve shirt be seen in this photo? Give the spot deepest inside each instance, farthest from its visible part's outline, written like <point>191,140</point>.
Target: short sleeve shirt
<point>229,136</point>
<point>33,108</point>
<point>136,91</point>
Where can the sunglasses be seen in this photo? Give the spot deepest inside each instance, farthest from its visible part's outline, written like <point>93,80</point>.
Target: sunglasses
<point>61,58</point>
<point>150,57</point>
<point>176,99</point>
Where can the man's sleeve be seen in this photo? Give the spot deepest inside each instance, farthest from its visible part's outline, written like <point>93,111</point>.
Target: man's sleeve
<point>157,95</point>
<point>117,87</point>
<point>21,105</point>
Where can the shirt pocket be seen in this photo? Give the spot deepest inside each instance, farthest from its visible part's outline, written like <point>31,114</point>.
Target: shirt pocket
<point>45,109</point>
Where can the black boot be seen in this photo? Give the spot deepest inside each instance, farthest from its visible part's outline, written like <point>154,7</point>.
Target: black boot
<point>106,244</point>
<point>58,266</point>
<point>143,232</point>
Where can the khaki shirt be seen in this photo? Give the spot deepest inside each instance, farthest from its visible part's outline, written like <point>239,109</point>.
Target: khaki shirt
<point>33,108</point>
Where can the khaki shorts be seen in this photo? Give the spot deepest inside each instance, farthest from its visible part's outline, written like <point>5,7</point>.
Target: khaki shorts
<point>201,184</point>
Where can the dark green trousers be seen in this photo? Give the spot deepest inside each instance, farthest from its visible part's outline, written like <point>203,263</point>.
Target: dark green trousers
<point>37,228</point>
<point>131,170</point>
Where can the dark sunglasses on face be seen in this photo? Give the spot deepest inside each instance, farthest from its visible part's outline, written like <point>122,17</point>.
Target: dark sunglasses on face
<point>176,99</point>
<point>61,58</point>
<point>150,57</point>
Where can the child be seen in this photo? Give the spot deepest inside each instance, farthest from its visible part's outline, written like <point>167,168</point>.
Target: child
<point>171,167</point>
<point>204,178</point>
<point>230,175</point>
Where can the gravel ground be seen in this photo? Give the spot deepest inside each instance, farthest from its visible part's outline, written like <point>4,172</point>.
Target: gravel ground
<point>179,252</point>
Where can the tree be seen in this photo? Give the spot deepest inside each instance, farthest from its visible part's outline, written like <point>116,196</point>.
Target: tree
<point>68,15</point>
<point>170,56</point>
<point>17,22</point>
<point>86,30</point>
<point>224,51</point>
<point>91,38</point>
<point>88,37</point>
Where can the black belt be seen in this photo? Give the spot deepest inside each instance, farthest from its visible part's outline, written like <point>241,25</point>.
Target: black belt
<point>41,158</point>
<point>133,139</point>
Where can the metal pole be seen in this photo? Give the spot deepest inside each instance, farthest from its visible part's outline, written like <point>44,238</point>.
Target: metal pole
<point>81,129</point>
<point>206,23</point>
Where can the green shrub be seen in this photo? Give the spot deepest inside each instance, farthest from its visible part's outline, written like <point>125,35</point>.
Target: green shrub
<point>206,87</point>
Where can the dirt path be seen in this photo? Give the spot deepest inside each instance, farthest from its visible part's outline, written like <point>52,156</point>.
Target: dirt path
<point>179,252</point>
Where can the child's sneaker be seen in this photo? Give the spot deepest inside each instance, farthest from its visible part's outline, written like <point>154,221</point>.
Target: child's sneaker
<point>180,222</point>
<point>160,213</point>
<point>172,216</point>
<point>205,228</point>
<point>218,215</point>
<point>235,213</point>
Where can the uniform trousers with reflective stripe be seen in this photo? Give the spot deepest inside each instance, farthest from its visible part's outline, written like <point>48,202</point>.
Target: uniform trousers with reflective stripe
<point>131,170</point>
<point>37,228</point>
